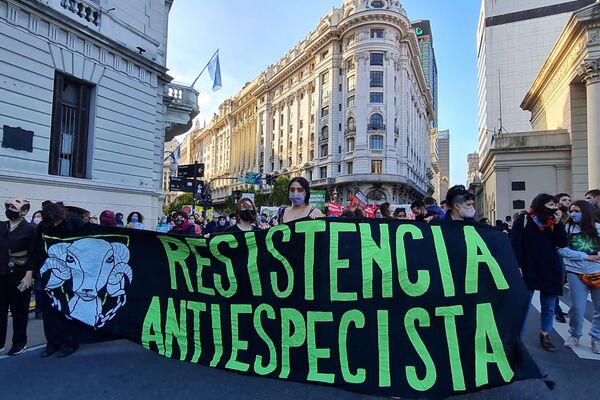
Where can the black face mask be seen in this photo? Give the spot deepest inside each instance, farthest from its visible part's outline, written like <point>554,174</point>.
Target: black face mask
<point>549,212</point>
<point>10,214</point>
<point>179,222</point>
<point>247,215</point>
<point>564,209</point>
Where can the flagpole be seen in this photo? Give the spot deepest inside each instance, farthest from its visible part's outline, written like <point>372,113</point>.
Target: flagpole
<point>204,69</point>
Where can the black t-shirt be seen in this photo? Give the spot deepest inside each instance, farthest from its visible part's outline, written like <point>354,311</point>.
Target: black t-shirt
<point>19,239</point>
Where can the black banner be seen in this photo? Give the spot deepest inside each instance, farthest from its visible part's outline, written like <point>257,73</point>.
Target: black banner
<point>394,309</point>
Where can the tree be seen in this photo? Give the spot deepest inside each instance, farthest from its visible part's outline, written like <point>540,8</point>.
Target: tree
<point>279,195</point>
<point>180,201</point>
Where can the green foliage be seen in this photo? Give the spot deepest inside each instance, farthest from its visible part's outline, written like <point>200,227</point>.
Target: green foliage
<point>180,201</point>
<point>279,194</point>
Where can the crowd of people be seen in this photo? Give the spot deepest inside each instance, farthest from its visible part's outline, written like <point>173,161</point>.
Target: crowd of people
<point>554,241</point>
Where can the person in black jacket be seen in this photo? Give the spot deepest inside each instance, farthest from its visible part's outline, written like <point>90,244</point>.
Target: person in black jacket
<point>535,238</point>
<point>461,204</point>
<point>182,224</point>
<point>16,275</point>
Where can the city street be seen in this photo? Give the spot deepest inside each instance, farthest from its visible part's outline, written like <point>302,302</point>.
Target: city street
<point>123,370</point>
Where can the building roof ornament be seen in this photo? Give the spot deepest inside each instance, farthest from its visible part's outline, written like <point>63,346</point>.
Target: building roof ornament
<point>589,70</point>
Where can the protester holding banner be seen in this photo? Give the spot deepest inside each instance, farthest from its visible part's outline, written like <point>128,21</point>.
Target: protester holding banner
<point>182,224</point>
<point>582,262</point>
<point>299,195</point>
<point>135,220</point>
<point>16,275</point>
<point>535,239</point>
<point>245,216</point>
<point>460,204</point>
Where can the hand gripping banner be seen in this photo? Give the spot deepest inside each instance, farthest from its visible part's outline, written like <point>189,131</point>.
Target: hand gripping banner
<point>394,308</point>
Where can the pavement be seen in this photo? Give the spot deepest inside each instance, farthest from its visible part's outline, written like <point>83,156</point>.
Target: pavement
<point>123,370</point>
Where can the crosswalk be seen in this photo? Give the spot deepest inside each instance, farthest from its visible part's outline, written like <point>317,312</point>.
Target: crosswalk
<point>584,350</point>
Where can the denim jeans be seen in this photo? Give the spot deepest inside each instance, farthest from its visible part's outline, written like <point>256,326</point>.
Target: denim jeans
<point>547,304</point>
<point>578,292</point>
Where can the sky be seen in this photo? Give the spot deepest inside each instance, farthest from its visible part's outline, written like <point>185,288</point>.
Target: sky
<point>252,34</point>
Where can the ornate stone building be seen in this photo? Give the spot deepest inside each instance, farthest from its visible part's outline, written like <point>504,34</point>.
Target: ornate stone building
<point>348,108</point>
<point>562,154</point>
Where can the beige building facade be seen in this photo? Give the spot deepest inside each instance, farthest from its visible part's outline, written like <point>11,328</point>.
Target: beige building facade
<point>348,108</point>
<point>562,154</point>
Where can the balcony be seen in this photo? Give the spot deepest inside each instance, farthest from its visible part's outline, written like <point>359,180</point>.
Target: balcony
<point>86,10</point>
<point>182,108</point>
<point>375,127</point>
<point>323,138</point>
<point>350,131</point>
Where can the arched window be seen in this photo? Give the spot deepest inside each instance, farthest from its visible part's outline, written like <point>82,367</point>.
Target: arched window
<point>376,195</point>
<point>377,4</point>
<point>351,125</point>
<point>376,123</point>
<point>324,133</point>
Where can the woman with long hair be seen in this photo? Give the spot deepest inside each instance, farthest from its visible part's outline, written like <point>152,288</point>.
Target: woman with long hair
<point>245,216</point>
<point>135,220</point>
<point>535,238</point>
<point>299,195</point>
<point>582,262</point>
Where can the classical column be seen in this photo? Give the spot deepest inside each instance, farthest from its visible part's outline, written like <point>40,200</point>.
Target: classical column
<point>590,71</point>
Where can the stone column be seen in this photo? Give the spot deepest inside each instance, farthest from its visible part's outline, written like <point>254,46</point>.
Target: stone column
<point>590,71</point>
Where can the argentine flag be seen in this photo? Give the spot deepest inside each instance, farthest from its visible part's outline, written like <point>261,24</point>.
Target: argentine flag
<point>176,155</point>
<point>214,69</point>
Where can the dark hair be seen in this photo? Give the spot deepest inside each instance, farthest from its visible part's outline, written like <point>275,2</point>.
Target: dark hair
<point>443,203</point>
<point>358,213</point>
<point>429,201</point>
<point>588,220</point>
<point>52,213</point>
<point>33,216</point>
<point>117,215</point>
<point>140,217</point>
<point>385,209</point>
<point>561,195</point>
<point>181,213</point>
<point>457,195</point>
<point>305,185</point>
<point>499,223</point>
<point>538,205</point>
<point>398,210</point>
<point>348,214</point>
<point>238,209</point>
<point>593,193</point>
<point>417,204</point>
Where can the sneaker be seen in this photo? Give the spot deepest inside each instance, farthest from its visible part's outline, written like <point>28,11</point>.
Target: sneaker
<point>560,317</point>
<point>571,342</point>
<point>16,349</point>
<point>596,346</point>
<point>546,343</point>
<point>49,350</point>
<point>66,351</point>
<point>2,349</point>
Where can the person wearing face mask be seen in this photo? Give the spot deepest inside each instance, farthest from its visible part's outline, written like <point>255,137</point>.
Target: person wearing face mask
<point>135,220</point>
<point>194,223</point>
<point>582,262</point>
<point>460,204</point>
<point>222,224</point>
<point>299,195</point>
<point>16,273</point>
<point>37,282</point>
<point>182,224</point>
<point>36,218</point>
<point>245,215</point>
<point>163,225</point>
<point>535,238</point>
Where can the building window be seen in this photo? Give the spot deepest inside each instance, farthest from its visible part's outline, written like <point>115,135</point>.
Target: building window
<point>323,151</point>
<point>350,144</point>
<point>351,125</point>
<point>325,78</point>
<point>376,33</point>
<point>325,111</point>
<point>324,133</point>
<point>376,166</point>
<point>324,55</point>
<point>350,65</point>
<point>350,101</point>
<point>376,97</point>
<point>376,79</point>
<point>376,122</point>
<point>518,186</point>
<point>377,4</point>
<point>376,58</point>
<point>69,139</point>
<point>351,82</point>
<point>323,171</point>
<point>349,168</point>
<point>518,205</point>
<point>376,142</point>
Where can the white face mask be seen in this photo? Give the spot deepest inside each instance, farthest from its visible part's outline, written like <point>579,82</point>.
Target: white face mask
<point>467,212</point>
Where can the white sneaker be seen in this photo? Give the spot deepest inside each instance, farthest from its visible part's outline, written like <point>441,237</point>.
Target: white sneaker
<point>572,341</point>
<point>596,346</point>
